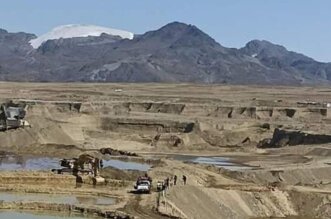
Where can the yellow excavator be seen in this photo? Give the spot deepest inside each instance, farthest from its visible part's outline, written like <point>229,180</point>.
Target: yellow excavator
<point>91,163</point>
<point>87,166</point>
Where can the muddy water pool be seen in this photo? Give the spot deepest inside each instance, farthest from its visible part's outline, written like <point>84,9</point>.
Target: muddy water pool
<point>56,198</point>
<point>224,162</point>
<point>11,162</point>
<point>124,165</point>
<point>15,162</point>
<point>26,215</point>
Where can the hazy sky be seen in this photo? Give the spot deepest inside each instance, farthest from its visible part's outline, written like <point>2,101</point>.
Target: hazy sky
<point>300,25</point>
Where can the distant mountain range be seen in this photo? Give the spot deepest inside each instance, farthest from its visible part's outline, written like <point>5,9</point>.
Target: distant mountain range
<point>176,52</point>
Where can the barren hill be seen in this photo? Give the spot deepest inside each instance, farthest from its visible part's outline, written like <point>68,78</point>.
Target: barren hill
<point>177,52</point>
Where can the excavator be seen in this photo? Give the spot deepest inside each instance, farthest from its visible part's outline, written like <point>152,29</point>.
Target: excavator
<point>93,166</point>
<point>87,164</point>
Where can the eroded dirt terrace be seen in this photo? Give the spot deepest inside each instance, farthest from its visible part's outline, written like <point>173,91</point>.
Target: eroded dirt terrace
<point>279,138</point>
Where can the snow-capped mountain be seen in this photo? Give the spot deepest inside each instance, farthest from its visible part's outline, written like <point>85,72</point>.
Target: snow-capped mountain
<point>177,52</point>
<point>77,30</point>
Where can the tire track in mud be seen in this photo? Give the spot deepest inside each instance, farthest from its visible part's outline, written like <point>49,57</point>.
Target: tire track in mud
<point>134,208</point>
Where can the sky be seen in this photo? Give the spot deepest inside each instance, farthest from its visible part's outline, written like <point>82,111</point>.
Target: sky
<point>300,25</point>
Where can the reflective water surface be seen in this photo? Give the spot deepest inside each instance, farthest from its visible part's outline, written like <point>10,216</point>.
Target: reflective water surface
<point>11,162</point>
<point>21,215</point>
<point>55,198</point>
<point>223,162</point>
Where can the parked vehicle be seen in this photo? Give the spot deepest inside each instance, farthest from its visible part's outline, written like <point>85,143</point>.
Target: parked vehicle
<point>143,185</point>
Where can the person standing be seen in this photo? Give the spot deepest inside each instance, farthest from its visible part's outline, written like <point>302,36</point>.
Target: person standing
<point>184,179</point>
<point>167,182</point>
<point>171,182</point>
<point>175,180</point>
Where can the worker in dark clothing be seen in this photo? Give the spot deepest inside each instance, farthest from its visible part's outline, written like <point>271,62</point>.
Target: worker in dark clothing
<point>167,182</point>
<point>148,178</point>
<point>184,179</point>
<point>175,180</point>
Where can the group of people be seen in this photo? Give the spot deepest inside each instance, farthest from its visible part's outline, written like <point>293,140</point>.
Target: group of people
<point>172,181</point>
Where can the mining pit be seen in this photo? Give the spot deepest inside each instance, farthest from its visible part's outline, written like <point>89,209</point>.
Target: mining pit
<point>246,151</point>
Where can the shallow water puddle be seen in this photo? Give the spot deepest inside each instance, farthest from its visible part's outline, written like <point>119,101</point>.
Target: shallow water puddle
<point>56,199</point>
<point>223,162</point>
<point>21,215</point>
<point>12,162</point>
<point>124,165</point>
<point>16,162</point>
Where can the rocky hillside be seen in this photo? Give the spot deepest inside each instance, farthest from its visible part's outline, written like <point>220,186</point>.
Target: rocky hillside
<point>176,52</point>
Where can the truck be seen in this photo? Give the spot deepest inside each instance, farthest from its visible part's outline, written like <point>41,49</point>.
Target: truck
<point>143,185</point>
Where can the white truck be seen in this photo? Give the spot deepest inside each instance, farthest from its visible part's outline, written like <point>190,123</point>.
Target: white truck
<point>143,185</point>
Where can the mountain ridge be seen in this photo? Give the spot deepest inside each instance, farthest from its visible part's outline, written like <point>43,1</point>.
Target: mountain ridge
<point>176,52</point>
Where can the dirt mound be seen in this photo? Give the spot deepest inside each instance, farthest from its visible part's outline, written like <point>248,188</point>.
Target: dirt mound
<point>114,152</point>
<point>264,112</point>
<point>325,152</point>
<point>145,125</point>
<point>244,202</point>
<point>60,106</point>
<point>52,150</point>
<point>257,112</point>
<point>229,135</point>
<point>286,176</point>
<point>113,173</point>
<point>232,112</point>
<point>197,202</point>
<point>312,205</point>
<point>290,113</point>
<point>283,138</point>
<point>177,141</point>
<point>41,133</point>
<point>154,107</point>
<point>312,113</point>
<point>52,129</point>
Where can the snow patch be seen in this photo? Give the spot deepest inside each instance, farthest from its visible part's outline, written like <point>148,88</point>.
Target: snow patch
<point>77,30</point>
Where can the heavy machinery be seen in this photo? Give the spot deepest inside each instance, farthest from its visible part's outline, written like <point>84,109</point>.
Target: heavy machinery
<point>87,164</point>
<point>12,116</point>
